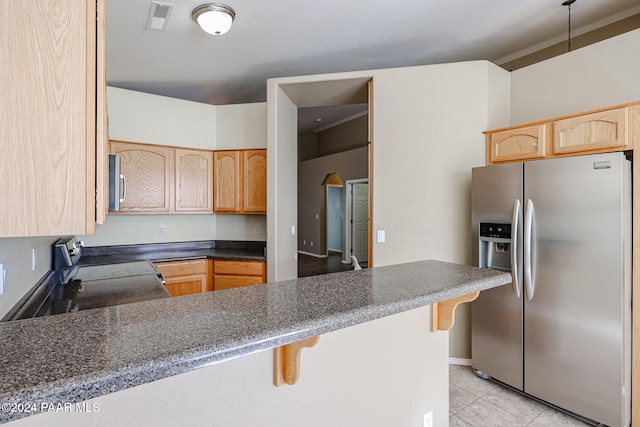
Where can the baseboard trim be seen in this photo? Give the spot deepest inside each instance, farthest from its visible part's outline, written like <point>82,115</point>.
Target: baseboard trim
<point>459,361</point>
<point>313,255</point>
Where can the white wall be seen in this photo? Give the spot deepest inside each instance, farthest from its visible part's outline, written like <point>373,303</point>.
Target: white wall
<point>366,375</point>
<point>600,75</point>
<point>141,117</point>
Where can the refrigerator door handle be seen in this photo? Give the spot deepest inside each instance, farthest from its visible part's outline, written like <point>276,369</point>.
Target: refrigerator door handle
<point>528,252</point>
<point>515,269</point>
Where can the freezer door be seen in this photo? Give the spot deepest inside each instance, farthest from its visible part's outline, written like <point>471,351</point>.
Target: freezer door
<point>576,312</point>
<point>496,328</point>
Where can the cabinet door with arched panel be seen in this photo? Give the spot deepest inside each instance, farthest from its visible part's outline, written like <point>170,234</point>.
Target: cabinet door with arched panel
<point>194,181</point>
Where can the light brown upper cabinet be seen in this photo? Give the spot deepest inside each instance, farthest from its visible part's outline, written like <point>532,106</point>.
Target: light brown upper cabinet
<point>162,179</point>
<point>255,181</point>
<point>52,110</point>
<point>518,144</point>
<point>148,177</point>
<point>608,129</point>
<point>605,129</point>
<point>227,178</point>
<point>240,182</point>
<point>194,180</point>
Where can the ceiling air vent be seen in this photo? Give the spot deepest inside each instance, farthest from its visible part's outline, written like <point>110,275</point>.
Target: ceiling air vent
<point>159,16</point>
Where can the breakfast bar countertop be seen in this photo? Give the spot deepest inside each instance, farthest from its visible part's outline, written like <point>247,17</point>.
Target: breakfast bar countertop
<point>73,357</point>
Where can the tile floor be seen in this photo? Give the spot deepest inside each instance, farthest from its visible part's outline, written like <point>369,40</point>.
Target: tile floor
<point>477,402</point>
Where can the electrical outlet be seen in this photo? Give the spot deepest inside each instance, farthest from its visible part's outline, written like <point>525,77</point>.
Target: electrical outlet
<point>427,419</point>
<point>304,243</point>
<point>312,243</point>
<point>34,258</point>
<point>257,229</point>
<point>162,231</point>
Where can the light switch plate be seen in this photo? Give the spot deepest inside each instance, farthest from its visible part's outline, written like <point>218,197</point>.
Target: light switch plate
<point>3,276</point>
<point>427,419</point>
<point>381,236</point>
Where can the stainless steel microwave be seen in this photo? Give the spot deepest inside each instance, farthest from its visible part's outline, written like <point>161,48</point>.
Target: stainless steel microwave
<point>117,192</point>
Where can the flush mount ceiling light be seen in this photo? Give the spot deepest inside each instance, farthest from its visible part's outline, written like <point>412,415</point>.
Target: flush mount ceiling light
<point>214,18</point>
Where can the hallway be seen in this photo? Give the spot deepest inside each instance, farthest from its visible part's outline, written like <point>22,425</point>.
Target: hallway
<point>312,266</point>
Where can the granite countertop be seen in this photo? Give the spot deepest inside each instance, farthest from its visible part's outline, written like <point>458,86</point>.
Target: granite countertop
<point>161,252</point>
<point>77,356</point>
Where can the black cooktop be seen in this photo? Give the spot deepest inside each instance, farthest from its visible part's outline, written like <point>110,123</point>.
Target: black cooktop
<point>96,286</point>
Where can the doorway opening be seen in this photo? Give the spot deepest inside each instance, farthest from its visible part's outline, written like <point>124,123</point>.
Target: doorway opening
<point>319,127</point>
<point>356,221</point>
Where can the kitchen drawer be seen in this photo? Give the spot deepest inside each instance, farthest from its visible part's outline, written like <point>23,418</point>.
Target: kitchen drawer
<point>182,268</point>
<point>235,281</point>
<point>245,268</point>
<point>186,285</point>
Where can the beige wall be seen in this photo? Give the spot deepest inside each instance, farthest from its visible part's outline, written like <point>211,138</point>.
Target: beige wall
<point>602,74</point>
<point>141,117</point>
<point>352,377</point>
<point>352,164</point>
<point>425,144</point>
<point>15,253</point>
<point>427,135</point>
<point>346,136</point>
<point>307,146</point>
<point>153,119</point>
<point>241,126</point>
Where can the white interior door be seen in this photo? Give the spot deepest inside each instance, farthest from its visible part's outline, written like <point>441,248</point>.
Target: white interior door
<point>360,218</point>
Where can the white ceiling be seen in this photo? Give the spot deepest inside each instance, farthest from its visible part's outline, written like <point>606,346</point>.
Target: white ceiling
<point>278,38</point>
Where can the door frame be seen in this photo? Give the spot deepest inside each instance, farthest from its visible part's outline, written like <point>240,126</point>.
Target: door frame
<point>348,208</point>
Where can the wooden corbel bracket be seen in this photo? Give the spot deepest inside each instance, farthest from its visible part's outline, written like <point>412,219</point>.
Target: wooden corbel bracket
<point>286,361</point>
<point>443,313</point>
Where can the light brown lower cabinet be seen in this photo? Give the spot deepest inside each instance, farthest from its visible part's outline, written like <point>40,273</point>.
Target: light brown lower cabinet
<point>187,277</point>
<point>233,274</point>
<point>197,276</point>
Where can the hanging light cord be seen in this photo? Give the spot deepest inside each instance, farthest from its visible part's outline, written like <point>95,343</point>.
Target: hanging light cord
<point>568,3</point>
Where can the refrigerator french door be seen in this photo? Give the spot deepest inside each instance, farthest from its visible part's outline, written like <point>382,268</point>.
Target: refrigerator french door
<point>562,331</point>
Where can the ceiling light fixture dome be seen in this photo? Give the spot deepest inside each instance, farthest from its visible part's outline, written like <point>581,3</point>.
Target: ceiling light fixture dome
<point>214,18</point>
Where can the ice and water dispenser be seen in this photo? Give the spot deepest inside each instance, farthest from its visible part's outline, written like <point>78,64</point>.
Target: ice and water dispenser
<point>495,246</point>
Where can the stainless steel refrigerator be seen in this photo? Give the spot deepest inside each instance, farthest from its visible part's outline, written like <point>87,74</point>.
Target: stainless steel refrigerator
<point>562,331</point>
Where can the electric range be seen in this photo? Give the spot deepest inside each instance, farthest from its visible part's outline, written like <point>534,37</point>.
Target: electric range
<point>75,288</point>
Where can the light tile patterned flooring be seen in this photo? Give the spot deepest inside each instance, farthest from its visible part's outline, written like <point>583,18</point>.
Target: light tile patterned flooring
<point>477,402</point>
